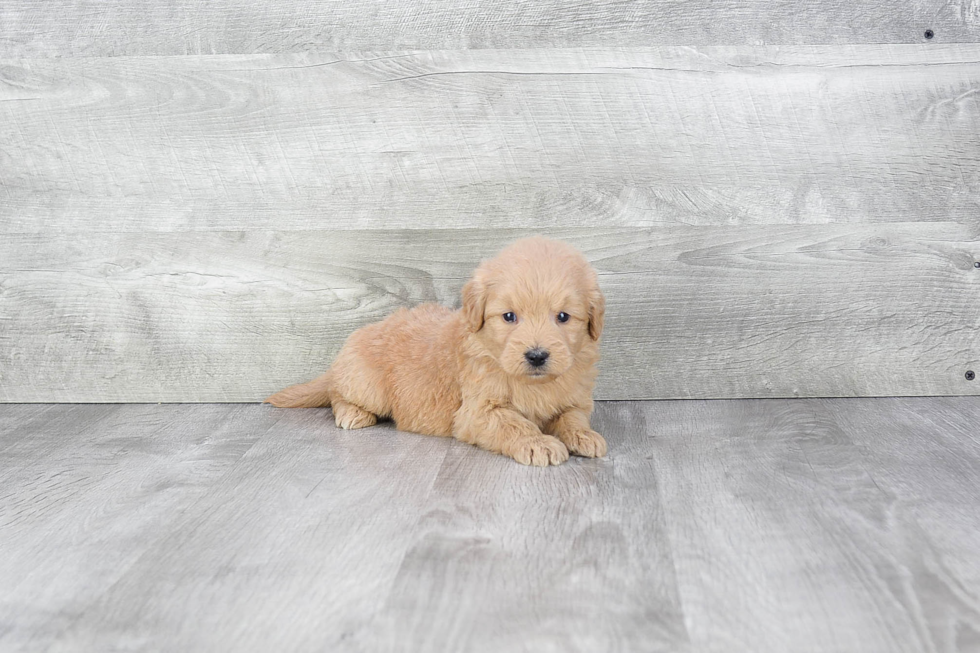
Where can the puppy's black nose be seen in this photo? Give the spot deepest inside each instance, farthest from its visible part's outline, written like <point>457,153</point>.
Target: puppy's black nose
<point>536,357</point>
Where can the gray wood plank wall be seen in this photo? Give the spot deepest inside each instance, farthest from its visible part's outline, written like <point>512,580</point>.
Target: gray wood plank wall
<point>783,200</point>
<point>132,27</point>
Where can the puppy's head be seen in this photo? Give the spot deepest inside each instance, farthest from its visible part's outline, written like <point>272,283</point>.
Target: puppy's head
<point>535,307</point>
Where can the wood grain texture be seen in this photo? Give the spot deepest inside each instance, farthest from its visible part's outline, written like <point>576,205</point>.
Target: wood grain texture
<point>767,502</point>
<point>931,483</point>
<point>496,138</point>
<point>141,522</point>
<point>693,312</point>
<point>88,490</point>
<point>62,28</point>
<point>831,526</point>
<point>554,556</point>
<point>299,543</point>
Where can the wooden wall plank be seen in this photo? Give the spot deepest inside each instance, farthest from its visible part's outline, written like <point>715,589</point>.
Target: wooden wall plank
<point>65,28</point>
<point>743,311</point>
<point>516,138</point>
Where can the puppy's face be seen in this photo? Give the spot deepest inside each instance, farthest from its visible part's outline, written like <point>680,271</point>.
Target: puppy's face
<point>534,308</point>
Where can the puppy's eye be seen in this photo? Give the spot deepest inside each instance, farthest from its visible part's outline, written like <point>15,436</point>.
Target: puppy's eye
<point>510,317</point>
<point>563,317</point>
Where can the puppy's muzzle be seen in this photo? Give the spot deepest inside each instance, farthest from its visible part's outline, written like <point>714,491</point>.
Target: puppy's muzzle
<point>536,357</point>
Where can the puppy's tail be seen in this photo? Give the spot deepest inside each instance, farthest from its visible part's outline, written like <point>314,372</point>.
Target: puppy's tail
<point>305,395</point>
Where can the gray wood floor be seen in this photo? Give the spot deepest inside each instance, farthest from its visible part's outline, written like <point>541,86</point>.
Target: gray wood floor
<point>752,525</point>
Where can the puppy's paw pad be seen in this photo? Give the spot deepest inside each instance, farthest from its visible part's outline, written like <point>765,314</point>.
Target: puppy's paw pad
<point>540,451</point>
<point>349,416</point>
<point>585,443</point>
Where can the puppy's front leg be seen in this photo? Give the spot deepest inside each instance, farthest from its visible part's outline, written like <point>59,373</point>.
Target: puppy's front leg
<point>572,427</point>
<point>506,431</point>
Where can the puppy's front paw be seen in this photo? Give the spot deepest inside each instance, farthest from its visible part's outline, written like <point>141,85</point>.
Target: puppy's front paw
<point>540,451</point>
<point>586,443</point>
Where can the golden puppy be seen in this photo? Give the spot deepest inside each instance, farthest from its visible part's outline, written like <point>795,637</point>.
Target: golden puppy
<point>512,371</point>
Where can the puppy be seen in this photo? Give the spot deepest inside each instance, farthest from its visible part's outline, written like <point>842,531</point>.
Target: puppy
<point>512,371</point>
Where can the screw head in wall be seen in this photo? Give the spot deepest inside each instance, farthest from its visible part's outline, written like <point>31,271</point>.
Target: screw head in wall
<point>970,375</point>
<point>929,34</point>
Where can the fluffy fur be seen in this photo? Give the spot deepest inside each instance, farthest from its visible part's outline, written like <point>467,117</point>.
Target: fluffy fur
<point>464,373</point>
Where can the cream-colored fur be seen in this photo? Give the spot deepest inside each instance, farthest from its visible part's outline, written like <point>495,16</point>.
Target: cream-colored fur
<point>464,373</point>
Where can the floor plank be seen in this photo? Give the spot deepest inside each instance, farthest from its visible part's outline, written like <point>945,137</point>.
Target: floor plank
<point>753,525</point>
<point>84,495</point>
<point>292,549</point>
<point>782,539</point>
<point>550,552</point>
<point>925,455</point>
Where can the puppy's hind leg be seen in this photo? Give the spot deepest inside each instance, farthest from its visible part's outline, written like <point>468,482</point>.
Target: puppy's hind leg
<point>320,392</point>
<point>349,416</point>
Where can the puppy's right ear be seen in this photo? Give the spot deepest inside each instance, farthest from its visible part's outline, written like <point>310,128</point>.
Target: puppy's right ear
<point>475,301</point>
<point>597,309</point>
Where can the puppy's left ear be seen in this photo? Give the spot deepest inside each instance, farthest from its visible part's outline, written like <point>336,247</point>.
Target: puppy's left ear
<point>475,301</point>
<point>597,310</point>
